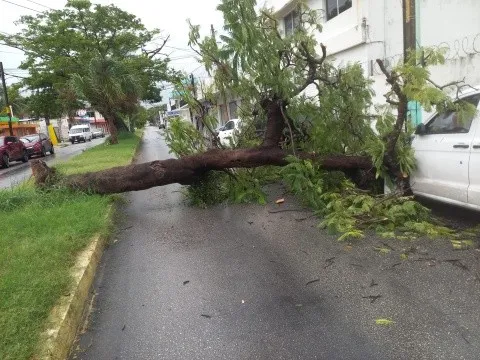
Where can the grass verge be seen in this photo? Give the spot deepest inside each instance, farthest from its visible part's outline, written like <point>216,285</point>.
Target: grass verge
<point>42,231</point>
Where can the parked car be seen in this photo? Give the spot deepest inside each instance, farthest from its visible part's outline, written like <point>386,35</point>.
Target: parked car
<point>98,133</point>
<point>447,150</point>
<point>37,144</point>
<point>12,149</point>
<point>80,133</point>
<point>228,133</point>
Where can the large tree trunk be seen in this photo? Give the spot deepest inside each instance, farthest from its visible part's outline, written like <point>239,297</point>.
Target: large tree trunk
<point>188,169</point>
<point>112,128</point>
<point>184,170</point>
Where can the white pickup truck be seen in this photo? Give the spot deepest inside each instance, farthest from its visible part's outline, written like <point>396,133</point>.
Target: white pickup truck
<point>448,157</point>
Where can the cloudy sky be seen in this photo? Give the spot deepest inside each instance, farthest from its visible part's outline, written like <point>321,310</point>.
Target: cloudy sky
<point>169,16</point>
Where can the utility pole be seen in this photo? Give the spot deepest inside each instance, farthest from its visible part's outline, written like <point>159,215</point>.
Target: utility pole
<point>192,83</point>
<point>409,28</point>
<point>7,104</point>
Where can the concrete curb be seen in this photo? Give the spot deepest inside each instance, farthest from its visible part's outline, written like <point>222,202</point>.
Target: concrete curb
<point>65,319</point>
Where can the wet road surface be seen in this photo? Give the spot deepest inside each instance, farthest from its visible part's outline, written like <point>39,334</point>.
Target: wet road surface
<point>243,282</point>
<point>19,172</point>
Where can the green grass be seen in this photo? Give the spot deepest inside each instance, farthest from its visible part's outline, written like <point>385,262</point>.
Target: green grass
<point>103,156</point>
<point>41,233</point>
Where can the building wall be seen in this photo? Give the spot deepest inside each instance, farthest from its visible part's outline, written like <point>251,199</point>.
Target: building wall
<point>373,29</point>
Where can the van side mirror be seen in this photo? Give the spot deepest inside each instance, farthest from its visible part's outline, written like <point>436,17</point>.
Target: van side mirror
<point>421,129</point>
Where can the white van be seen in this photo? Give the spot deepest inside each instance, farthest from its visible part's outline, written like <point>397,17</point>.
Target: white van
<point>228,134</point>
<point>448,157</point>
<point>80,133</point>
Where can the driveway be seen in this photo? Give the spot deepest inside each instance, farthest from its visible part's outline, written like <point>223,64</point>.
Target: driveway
<point>258,282</point>
<point>19,172</point>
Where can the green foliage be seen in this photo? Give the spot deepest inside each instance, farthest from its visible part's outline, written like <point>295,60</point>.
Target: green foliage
<point>82,40</point>
<point>183,139</point>
<point>341,124</point>
<point>384,322</point>
<point>351,212</point>
<point>239,186</point>
<point>376,146</point>
<point>209,190</point>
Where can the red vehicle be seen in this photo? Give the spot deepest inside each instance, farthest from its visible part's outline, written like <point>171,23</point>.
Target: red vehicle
<point>37,144</point>
<point>12,149</point>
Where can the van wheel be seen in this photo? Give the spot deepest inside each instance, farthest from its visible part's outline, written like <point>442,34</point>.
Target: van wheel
<point>44,153</point>
<point>52,150</point>
<point>5,161</point>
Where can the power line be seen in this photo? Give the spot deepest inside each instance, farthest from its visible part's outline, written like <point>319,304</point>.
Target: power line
<point>177,48</point>
<point>16,76</point>
<point>25,7</point>
<point>36,3</point>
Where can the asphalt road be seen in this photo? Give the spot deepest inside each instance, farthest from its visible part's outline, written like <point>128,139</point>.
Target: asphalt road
<point>247,282</point>
<point>19,172</point>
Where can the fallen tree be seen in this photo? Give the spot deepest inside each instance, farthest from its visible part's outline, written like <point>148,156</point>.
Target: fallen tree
<point>185,170</point>
<point>317,118</point>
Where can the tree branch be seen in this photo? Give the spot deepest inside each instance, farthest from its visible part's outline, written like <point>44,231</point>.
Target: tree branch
<point>185,170</point>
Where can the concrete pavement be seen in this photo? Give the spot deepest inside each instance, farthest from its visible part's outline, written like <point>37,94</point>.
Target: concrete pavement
<point>241,282</point>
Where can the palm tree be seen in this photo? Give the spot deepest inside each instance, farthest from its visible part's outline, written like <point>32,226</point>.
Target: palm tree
<point>110,86</point>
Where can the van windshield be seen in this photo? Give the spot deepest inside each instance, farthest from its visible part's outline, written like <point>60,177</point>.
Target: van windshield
<point>76,131</point>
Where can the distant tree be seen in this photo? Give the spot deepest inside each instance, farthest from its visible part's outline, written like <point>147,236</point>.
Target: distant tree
<point>66,43</point>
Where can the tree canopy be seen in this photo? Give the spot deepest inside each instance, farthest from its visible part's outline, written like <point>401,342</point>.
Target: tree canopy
<point>84,40</point>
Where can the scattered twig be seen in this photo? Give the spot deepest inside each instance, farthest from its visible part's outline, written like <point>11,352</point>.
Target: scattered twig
<point>372,298</point>
<point>373,283</point>
<point>357,265</point>
<point>285,210</point>
<point>186,282</point>
<point>329,262</point>
<point>457,263</point>
<point>312,281</point>
<point>206,316</point>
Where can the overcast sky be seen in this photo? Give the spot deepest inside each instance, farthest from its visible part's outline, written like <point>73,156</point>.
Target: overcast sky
<point>169,16</point>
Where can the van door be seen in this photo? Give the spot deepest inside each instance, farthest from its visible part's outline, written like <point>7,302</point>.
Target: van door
<point>474,165</point>
<point>443,154</point>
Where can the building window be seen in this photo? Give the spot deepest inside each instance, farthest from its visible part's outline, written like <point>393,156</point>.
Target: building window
<point>335,7</point>
<point>232,107</point>
<point>291,22</point>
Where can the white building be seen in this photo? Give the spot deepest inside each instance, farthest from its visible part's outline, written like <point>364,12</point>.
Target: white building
<point>365,30</point>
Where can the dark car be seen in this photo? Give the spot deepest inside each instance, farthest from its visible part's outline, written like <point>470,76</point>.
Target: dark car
<point>12,149</point>
<point>37,144</point>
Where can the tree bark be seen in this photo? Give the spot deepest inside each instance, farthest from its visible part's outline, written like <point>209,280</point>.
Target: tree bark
<point>275,122</point>
<point>185,170</point>
<point>112,128</point>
